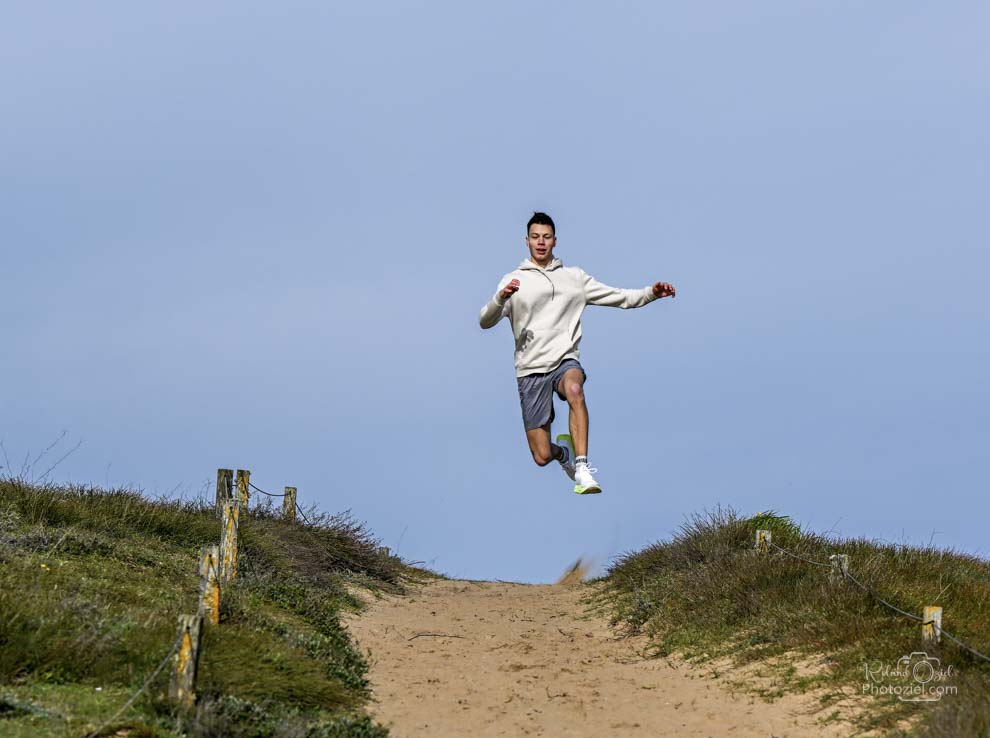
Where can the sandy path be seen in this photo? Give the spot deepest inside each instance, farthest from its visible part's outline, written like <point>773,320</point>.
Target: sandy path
<point>459,658</point>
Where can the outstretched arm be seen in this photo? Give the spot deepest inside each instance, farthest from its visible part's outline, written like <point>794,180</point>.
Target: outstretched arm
<point>497,307</point>
<point>597,293</point>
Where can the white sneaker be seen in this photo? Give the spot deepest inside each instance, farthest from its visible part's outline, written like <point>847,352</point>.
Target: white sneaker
<point>584,483</point>
<point>564,441</point>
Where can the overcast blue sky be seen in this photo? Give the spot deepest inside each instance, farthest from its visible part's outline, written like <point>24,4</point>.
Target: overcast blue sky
<point>259,235</point>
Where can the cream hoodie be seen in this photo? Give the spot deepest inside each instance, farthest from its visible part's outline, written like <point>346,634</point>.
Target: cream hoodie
<point>545,312</point>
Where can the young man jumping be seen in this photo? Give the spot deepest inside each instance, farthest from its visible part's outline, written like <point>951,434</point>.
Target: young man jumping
<point>543,301</point>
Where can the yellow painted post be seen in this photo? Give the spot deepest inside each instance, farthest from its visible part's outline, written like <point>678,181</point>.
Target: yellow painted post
<point>228,541</point>
<point>225,487</point>
<point>243,480</point>
<point>209,583</point>
<point>840,567</point>
<point>289,505</point>
<point>931,625</point>
<point>182,690</point>
<point>763,539</point>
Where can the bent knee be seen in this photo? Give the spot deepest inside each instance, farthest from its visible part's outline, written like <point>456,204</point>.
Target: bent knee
<point>542,458</point>
<point>574,391</point>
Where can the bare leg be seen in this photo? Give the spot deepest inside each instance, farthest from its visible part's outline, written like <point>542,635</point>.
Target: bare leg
<point>572,385</point>
<point>539,445</point>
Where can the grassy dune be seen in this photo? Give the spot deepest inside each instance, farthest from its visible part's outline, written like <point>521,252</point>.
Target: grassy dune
<point>92,582</point>
<point>706,594</point>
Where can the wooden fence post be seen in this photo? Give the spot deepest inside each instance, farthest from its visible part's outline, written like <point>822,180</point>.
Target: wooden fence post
<point>931,625</point>
<point>840,567</point>
<point>225,487</point>
<point>243,480</point>
<point>183,687</point>
<point>763,539</point>
<point>228,541</point>
<point>209,583</point>
<point>289,505</point>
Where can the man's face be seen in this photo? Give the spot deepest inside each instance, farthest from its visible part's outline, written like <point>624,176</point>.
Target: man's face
<point>541,241</point>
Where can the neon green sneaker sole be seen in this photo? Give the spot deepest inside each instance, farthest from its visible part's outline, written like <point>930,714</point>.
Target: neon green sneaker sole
<point>562,439</point>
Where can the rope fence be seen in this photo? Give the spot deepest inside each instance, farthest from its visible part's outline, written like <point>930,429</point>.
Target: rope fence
<point>931,622</point>
<point>882,601</point>
<point>259,489</point>
<point>799,558</point>
<point>217,569</point>
<point>283,495</point>
<point>141,689</point>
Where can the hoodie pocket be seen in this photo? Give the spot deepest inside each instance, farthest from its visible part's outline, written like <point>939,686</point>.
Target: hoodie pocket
<point>524,340</point>
<point>541,346</point>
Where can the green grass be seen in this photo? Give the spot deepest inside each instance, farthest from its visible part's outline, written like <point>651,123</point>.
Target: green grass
<point>92,583</point>
<point>707,594</point>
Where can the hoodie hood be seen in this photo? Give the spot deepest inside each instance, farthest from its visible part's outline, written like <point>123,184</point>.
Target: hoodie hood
<point>555,263</point>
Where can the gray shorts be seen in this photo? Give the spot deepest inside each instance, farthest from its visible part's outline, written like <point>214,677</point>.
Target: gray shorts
<point>536,394</point>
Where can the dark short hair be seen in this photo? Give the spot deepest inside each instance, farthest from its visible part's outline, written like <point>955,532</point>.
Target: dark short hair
<point>541,219</point>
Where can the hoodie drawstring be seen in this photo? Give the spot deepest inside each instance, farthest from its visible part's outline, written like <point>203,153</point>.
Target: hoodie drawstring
<point>553,290</point>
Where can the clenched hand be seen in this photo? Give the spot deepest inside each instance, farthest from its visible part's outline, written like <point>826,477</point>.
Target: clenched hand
<point>510,289</point>
<point>664,289</point>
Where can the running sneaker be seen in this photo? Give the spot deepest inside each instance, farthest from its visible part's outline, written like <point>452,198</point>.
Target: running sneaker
<point>564,441</point>
<point>584,483</point>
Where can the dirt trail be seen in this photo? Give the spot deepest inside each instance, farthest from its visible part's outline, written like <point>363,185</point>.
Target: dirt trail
<point>462,658</point>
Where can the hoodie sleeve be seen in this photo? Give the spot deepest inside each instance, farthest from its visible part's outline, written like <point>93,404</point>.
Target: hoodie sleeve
<point>496,308</point>
<point>596,293</point>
